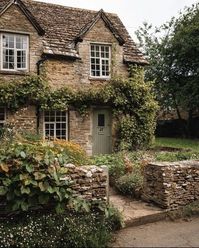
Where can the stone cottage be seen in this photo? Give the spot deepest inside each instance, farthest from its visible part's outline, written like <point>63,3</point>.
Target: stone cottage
<point>75,47</point>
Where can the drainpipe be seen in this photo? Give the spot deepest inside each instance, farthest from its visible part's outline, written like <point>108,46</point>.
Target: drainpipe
<point>39,63</point>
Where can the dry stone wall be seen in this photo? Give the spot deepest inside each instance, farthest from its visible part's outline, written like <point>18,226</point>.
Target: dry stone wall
<point>171,184</point>
<point>89,182</point>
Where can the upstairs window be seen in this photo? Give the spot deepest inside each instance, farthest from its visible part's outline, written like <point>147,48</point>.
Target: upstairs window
<point>2,116</point>
<point>56,125</point>
<point>100,60</point>
<point>14,50</point>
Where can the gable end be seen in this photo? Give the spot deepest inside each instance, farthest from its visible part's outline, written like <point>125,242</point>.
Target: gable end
<point>108,24</point>
<point>26,12</point>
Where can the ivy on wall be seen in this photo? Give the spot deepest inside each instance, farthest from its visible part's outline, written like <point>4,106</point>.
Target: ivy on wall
<point>131,100</point>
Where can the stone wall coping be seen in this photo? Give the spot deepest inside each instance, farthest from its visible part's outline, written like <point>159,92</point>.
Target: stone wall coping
<point>185,163</point>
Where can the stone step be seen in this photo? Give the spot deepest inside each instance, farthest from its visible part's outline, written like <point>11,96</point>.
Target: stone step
<point>137,212</point>
<point>145,219</point>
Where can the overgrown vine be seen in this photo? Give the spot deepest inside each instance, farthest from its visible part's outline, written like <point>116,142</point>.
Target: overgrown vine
<point>131,100</point>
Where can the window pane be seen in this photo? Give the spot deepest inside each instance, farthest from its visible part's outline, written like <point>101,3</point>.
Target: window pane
<point>18,42</point>
<point>5,41</point>
<point>8,59</point>
<point>99,61</point>
<point>49,130</point>
<point>101,120</point>
<point>11,41</point>
<point>55,124</point>
<point>14,46</point>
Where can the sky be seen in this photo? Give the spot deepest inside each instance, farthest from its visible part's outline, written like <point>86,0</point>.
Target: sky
<point>133,12</point>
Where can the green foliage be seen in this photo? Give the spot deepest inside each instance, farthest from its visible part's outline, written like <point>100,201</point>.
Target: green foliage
<point>173,52</point>
<point>176,156</point>
<point>135,109</point>
<point>52,230</point>
<point>115,163</point>
<point>125,170</point>
<point>130,184</point>
<point>131,100</point>
<point>186,144</point>
<point>114,219</point>
<point>173,149</point>
<point>16,93</point>
<point>32,175</point>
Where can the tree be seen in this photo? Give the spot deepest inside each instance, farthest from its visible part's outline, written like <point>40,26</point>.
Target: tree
<point>173,53</point>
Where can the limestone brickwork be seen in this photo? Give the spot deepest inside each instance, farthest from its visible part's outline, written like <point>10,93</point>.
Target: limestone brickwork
<point>171,184</point>
<point>60,72</point>
<point>23,120</point>
<point>89,182</point>
<point>80,130</point>
<point>77,73</point>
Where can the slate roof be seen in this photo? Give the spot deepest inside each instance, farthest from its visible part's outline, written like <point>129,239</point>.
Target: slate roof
<point>64,26</point>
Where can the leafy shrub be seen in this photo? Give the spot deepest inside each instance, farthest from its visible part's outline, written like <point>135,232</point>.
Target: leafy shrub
<point>115,163</point>
<point>114,218</point>
<point>32,174</point>
<point>135,109</point>
<point>130,184</point>
<point>52,230</point>
<point>76,154</point>
<point>176,156</point>
<point>31,136</point>
<point>132,101</point>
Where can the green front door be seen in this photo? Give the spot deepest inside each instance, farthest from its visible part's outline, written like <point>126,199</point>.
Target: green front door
<point>102,131</point>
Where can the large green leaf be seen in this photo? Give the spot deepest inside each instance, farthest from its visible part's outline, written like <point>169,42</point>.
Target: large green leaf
<point>38,175</point>
<point>3,190</point>
<point>29,168</point>
<point>24,205</point>
<point>22,154</point>
<point>25,190</point>
<point>6,181</point>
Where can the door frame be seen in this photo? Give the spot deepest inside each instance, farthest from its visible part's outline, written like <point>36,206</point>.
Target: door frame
<point>111,124</point>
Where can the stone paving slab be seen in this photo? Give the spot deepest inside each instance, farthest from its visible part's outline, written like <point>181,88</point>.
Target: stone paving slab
<point>136,212</point>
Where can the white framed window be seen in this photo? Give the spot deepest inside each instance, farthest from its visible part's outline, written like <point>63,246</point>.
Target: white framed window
<point>56,125</point>
<point>14,52</point>
<point>100,57</point>
<point>2,116</point>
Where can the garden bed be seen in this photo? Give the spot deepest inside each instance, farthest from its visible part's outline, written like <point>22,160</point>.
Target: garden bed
<point>126,168</point>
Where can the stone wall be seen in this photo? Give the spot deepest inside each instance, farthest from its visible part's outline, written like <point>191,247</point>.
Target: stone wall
<point>89,182</point>
<point>77,73</point>
<point>24,119</point>
<point>172,184</point>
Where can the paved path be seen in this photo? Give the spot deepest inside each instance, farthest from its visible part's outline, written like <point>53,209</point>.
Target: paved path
<point>161,234</point>
<point>136,212</point>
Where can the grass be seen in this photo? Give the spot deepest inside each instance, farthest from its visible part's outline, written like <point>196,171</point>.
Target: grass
<point>177,143</point>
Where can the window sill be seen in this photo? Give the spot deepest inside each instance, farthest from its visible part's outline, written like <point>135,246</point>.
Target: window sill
<point>99,79</point>
<point>14,72</point>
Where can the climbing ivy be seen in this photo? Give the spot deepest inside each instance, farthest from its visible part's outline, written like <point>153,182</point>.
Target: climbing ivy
<point>131,100</point>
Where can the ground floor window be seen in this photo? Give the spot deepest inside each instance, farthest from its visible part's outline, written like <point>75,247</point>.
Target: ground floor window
<point>2,116</point>
<point>56,124</point>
